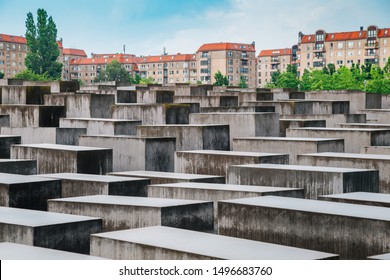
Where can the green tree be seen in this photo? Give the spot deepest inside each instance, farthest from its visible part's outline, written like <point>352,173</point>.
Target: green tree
<point>147,81</point>
<point>220,80</point>
<point>275,77</point>
<point>43,51</point>
<point>243,83</point>
<point>136,80</point>
<point>113,72</point>
<point>29,75</point>
<point>288,79</point>
<point>331,68</point>
<point>1,75</point>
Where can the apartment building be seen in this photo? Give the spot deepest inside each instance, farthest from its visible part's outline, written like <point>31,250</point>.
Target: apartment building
<point>87,69</point>
<point>70,55</point>
<point>270,61</point>
<point>343,48</point>
<point>13,50</point>
<point>231,59</point>
<point>169,69</point>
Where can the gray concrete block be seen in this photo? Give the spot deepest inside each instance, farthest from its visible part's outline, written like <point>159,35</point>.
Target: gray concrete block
<point>4,121</point>
<point>353,160</point>
<point>96,126</point>
<point>76,184</point>
<point>69,136</point>
<point>125,212</point>
<point>291,146</point>
<point>14,251</point>
<point>53,158</point>
<point>377,115</point>
<point>190,137</point>
<point>363,198</point>
<point>349,230</point>
<point>18,166</point>
<point>217,162</point>
<point>5,144</point>
<point>331,119</point>
<point>314,179</point>
<point>242,124</point>
<point>284,124</point>
<point>136,153</point>
<point>24,94</point>
<point>49,230</point>
<point>354,138</point>
<point>164,243</point>
<point>378,150</point>
<point>380,257</point>
<point>28,192</point>
<point>157,177</point>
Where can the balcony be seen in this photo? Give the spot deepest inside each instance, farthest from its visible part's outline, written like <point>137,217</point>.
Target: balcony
<point>371,54</point>
<point>316,50</point>
<point>275,60</point>
<point>373,45</point>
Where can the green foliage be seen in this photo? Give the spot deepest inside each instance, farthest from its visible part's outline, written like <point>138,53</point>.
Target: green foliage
<point>143,81</point>
<point>43,49</point>
<point>147,81</point>
<point>220,80</point>
<point>275,77</point>
<point>198,82</point>
<point>243,83</point>
<point>1,75</point>
<point>288,79</point>
<point>29,75</point>
<point>113,72</point>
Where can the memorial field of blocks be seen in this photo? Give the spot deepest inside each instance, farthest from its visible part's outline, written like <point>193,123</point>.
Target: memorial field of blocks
<point>196,172</point>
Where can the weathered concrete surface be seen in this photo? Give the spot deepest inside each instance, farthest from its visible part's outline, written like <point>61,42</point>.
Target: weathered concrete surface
<point>23,94</point>
<point>280,95</point>
<point>314,179</point>
<point>377,115</point>
<point>136,153</point>
<point>50,230</point>
<point>14,251</point>
<point>331,120</point>
<point>76,184</point>
<point>284,124</point>
<point>351,231</point>
<point>291,146</point>
<point>236,109</point>
<point>304,107</point>
<point>378,150</point>
<point>5,144</point>
<point>69,136</point>
<point>217,162</point>
<point>157,177</point>
<point>96,126</point>
<point>28,192</point>
<point>153,113</point>
<point>165,243</point>
<point>208,101</point>
<point>83,105</point>
<point>192,90</point>
<point>350,160</point>
<point>380,257</point>
<point>364,125</point>
<point>4,121</point>
<point>242,124</point>
<point>33,115</point>
<point>190,137</point>
<point>53,158</point>
<point>18,166</point>
<point>125,212</point>
<point>363,198</point>
<point>216,192</point>
<point>354,138</point>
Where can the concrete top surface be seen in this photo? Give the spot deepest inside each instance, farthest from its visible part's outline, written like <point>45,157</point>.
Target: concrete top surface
<point>183,125</point>
<point>9,136</point>
<point>317,206</point>
<point>34,218</point>
<point>362,196</point>
<point>340,129</point>
<point>14,251</point>
<point>303,120</point>
<point>62,147</point>
<point>141,138</point>
<point>377,110</point>
<point>234,113</point>
<point>380,257</point>
<point>129,201</point>
<point>212,245</point>
<point>160,174</point>
<point>16,160</point>
<point>231,153</point>
<point>303,168</point>
<point>294,139</point>
<point>90,177</point>
<point>225,187</point>
<point>367,124</point>
<point>8,179</point>
<point>350,155</point>
<point>99,120</point>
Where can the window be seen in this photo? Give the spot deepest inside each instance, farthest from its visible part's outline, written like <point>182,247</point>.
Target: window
<point>205,54</point>
<point>339,53</point>
<point>230,69</point>
<point>350,53</point>
<point>350,44</point>
<point>204,63</point>
<point>358,53</point>
<point>371,33</point>
<point>384,51</point>
<point>385,42</point>
<point>230,62</point>
<point>339,62</point>
<point>320,37</point>
<point>340,45</point>
<point>308,56</point>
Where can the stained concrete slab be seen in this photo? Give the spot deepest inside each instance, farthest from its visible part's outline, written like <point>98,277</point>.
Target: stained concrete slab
<point>102,126</point>
<point>76,184</point>
<point>165,243</point>
<point>316,180</point>
<point>18,166</point>
<point>6,141</point>
<point>217,162</point>
<point>125,212</point>
<point>349,230</point>
<point>364,198</point>
<point>157,177</point>
<point>50,230</point>
<point>14,251</point>
<point>380,257</point>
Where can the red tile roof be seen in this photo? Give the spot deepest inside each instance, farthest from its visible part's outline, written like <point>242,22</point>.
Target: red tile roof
<point>75,52</point>
<point>226,47</point>
<point>384,32</point>
<point>103,60</point>
<point>167,58</point>
<point>19,40</point>
<point>275,52</point>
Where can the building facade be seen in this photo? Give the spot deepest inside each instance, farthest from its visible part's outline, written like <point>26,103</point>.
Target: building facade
<point>270,61</point>
<point>343,48</point>
<point>70,55</point>
<point>169,69</point>
<point>231,59</point>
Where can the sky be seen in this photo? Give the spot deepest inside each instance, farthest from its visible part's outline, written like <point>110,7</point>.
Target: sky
<point>145,27</point>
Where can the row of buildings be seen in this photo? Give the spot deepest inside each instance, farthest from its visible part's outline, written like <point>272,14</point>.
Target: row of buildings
<point>235,60</point>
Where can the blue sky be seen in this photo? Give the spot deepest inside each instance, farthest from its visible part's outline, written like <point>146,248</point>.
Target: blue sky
<point>147,26</point>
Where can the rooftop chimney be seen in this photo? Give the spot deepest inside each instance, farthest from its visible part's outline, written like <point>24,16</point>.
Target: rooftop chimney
<point>361,28</point>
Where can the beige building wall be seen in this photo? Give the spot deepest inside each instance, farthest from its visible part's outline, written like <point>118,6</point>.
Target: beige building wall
<point>270,61</point>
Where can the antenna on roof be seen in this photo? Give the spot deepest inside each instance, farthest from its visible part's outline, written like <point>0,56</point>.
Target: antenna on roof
<point>124,49</point>
<point>165,51</point>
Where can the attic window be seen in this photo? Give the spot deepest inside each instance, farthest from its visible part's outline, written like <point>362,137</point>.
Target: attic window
<point>172,57</point>
<point>309,37</point>
<point>385,31</point>
<point>332,36</point>
<point>243,47</point>
<point>360,34</point>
